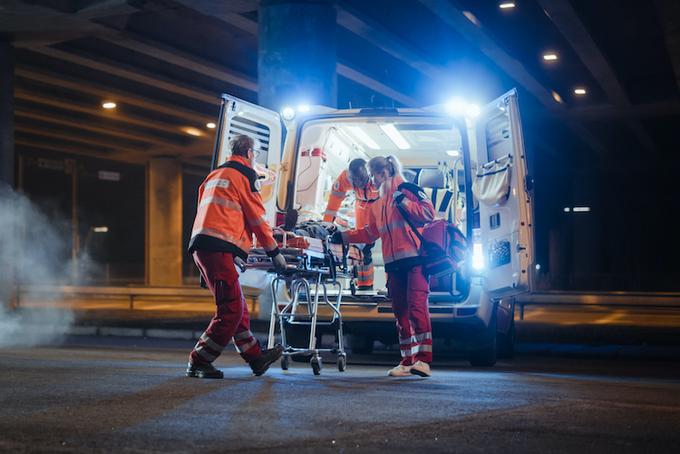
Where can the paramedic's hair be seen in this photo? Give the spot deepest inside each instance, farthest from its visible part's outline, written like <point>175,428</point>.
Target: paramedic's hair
<point>241,144</point>
<point>355,165</point>
<point>391,163</point>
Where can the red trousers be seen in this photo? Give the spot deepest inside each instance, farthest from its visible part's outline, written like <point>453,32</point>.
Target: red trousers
<point>231,315</point>
<point>409,290</point>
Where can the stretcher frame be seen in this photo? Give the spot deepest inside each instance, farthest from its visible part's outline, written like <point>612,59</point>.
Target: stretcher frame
<point>308,275</point>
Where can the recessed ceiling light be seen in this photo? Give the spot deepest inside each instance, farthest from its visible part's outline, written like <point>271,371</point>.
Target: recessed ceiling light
<point>395,136</point>
<point>109,105</point>
<point>472,18</point>
<point>210,125</point>
<point>192,131</point>
<point>580,91</point>
<point>556,96</point>
<point>453,153</point>
<point>359,133</point>
<point>506,5</point>
<point>550,56</point>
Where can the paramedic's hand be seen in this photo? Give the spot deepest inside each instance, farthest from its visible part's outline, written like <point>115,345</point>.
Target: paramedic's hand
<point>279,263</point>
<point>398,197</point>
<point>238,261</point>
<point>336,238</point>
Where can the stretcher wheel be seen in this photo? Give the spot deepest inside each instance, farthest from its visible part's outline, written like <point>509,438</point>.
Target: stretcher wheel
<point>342,362</point>
<point>316,366</point>
<point>285,361</point>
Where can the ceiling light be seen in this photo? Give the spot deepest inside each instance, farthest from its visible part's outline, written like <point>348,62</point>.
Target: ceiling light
<point>192,131</point>
<point>395,136</point>
<point>506,5</point>
<point>109,105</point>
<point>100,229</point>
<point>362,136</point>
<point>579,91</point>
<point>210,125</point>
<point>453,153</point>
<point>472,18</point>
<point>550,56</point>
<point>566,209</point>
<point>557,97</point>
<point>581,209</point>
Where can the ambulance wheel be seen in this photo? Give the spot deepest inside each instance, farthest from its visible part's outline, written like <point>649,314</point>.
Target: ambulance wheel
<point>285,362</point>
<point>342,362</point>
<point>316,365</point>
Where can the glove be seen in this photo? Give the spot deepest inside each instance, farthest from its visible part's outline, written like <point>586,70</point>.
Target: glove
<point>279,262</point>
<point>398,197</point>
<point>336,238</point>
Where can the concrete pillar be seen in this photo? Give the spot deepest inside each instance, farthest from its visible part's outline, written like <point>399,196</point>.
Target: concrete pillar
<point>296,55</point>
<point>6,113</point>
<point>164,222</point>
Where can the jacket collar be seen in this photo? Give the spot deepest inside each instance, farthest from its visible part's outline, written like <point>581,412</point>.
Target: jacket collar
<point>241,160</point>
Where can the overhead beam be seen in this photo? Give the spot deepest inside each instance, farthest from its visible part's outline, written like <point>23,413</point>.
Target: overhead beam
<point>182,59</point>
<point>77,150</point>
<point>104,92</point>
<point>608,112</point>
<point>123,133</point>
<point>476,34</point>
<point>43,132</point>
<point>343,69</point>
<point>379,36</point>
<point>562,14</point>
<point>668,12</point>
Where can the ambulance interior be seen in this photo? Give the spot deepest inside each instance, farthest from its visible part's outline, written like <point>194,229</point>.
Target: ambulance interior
<point>429,149</point>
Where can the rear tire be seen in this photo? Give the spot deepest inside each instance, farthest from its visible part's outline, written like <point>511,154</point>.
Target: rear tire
<point>487,355</point>
<point>505,343</point>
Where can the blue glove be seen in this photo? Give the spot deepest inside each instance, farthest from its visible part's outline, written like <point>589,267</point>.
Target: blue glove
<point>398,197</point>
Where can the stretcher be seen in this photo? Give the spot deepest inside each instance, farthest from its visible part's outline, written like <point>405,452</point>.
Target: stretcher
<point>307,276</point>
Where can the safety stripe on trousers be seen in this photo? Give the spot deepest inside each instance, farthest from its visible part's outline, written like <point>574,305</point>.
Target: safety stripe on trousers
<point>406,351</point>
<point>211,343</point>
<point>246,347</point>
<point>243,335</point>
<point>415,339</point>
<point>200,349</point>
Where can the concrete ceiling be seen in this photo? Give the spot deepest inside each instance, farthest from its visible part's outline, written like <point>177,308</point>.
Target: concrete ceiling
<point>165,62</point>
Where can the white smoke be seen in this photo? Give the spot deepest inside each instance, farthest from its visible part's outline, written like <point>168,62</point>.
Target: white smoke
<point>34,253</point>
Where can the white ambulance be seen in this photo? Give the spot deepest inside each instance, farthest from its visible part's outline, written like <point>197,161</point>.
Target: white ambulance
<point>470,161</point>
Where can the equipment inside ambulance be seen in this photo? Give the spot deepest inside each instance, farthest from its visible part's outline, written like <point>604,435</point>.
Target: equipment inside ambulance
<point>472,167</point>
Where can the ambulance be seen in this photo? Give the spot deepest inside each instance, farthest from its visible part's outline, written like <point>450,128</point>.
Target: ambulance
<point>470,161</point>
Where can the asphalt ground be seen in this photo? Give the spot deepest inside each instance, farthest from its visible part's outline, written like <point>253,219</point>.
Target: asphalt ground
<point>109,394</point>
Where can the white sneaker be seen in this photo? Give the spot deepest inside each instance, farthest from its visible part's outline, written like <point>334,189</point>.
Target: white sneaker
<point>421,368</point>
<point>400,371</point>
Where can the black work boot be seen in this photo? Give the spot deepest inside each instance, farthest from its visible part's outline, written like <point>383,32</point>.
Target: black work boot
<point>268,356</point>
<point>203,371</point>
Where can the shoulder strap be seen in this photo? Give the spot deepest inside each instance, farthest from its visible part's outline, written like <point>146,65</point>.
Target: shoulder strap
<point>406,217</point>
<point>244,170</point>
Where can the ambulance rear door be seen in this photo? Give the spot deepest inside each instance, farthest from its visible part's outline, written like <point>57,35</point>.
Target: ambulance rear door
<point>502,189</point>
<point>265,127</point>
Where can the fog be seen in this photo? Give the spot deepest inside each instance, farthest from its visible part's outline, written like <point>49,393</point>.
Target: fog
<point>34,251</point>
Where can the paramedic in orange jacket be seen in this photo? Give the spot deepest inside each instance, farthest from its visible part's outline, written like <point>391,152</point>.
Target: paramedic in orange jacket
<point>229,212</point>
<point>366,193</point>
<point>408,287</point>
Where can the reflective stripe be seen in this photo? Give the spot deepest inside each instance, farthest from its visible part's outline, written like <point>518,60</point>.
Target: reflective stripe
<point>331,212</point>
<point>211,343</point>
<point>220,201</point>
<point>246,347</point>
<point>201,351</point>
<point>338,194</point>
<point>217,183</point>
<point>410,351</point>
<point>243,335</point>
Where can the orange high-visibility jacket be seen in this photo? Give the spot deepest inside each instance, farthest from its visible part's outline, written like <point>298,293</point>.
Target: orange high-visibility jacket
<point>230,210</point>
<point>400,245</point>
<point>364,199</point>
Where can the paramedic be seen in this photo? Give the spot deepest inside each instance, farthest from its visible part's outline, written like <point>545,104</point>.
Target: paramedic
<point>408,287</point>
<point>365,193</point>
<point>229,212</point>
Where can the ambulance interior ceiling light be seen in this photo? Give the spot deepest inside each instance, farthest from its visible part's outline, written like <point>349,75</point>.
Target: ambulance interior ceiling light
<point>453,153</point>
<point>363,137</point>
<point>395,136</point>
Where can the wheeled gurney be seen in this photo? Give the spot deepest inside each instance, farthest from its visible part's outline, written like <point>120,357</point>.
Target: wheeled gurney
<point>307,277</point>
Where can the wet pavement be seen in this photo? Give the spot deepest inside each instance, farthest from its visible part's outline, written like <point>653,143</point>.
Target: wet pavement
<point>104,394</point>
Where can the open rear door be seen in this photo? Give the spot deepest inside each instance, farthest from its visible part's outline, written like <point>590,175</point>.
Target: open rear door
<point>264,126</point>
<point>503,191</point>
